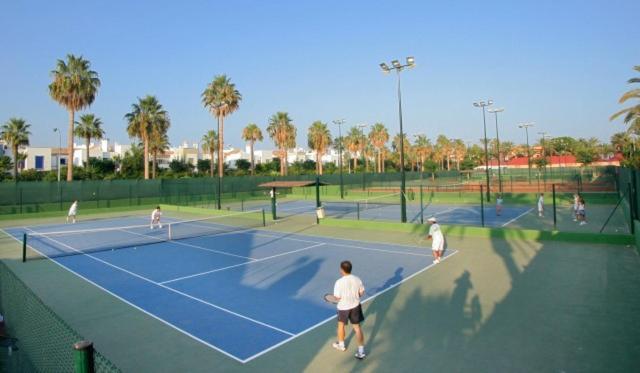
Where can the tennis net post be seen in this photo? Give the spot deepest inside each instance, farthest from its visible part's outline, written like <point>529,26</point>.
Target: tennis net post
<point>482,204</point>
<point>358,210</point>
<point>83,352</point>
<point>24,247</point>
<point>553,193</point>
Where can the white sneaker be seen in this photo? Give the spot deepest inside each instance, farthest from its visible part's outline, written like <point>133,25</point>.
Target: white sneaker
<point>339,347</point>
<point>583,223</point>
<point>151,227</point>
<point>160,226</point>
<point>360,355</point>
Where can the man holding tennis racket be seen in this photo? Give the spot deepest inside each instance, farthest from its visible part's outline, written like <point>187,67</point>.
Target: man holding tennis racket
<point>437,239</point>
<point>347,292</point>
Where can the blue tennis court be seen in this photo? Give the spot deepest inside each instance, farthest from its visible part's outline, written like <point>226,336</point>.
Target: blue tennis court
<point>446,213</point>
<point>241,291</point>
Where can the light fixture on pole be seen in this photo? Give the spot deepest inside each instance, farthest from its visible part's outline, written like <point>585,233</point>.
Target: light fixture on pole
<point>398,67</point>
<point>340,122</point>
<point>59,147</point>
<point>495,111</point>
<point>483,105</point>
<point>526,131</point>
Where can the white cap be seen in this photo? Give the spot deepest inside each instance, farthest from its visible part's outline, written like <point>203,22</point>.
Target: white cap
<point>433,219</point>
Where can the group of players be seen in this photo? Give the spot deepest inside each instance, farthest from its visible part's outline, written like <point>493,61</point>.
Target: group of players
<point>579,208</point>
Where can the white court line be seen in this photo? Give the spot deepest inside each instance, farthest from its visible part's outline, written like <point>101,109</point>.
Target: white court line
<point>171,289</point>
<point>128,302</point>
<point>517,217</point>
<point>334,317</point>
<point>240,264</point>
<point>189,245</point>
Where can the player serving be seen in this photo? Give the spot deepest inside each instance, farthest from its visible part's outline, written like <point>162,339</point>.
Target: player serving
<point>73,211</point>
<point>155,217</point>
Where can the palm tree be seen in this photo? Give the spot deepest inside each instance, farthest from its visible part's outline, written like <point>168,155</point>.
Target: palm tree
<point>354,143</point>
<point>145,117</point>
<point>319,139</point>
<point>632,113</point>
<point>283,134</point>
<point>252,133</point>
<point>459,151</point>
<point>158,143</point>
<point>75,87</point>
<point>15,132</point>
<point>424,149</point>
<point>443,146</point>
<point>222,98</point>
<point>89,127</point>
<point>396,147</point>
<point>378,136</point>
<point>210,145</point>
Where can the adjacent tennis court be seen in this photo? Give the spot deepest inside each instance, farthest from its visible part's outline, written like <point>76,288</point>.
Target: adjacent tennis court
<point>229,282</point>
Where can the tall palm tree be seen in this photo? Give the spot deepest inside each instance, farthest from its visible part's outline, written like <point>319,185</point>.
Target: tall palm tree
<point>283,133</point>
<point>396,147</point>
<point>632,113</point>
<point>15,132</point>
<point>443,145</point>
<point>89,127</point>
<point>379,136</point>
<point>423,149</point>
<point>158,143</point>
<point>319,138</point>
<point>75,87</point>
<point>252,133</point>
<point>210,145</point>
<point>145,117</point>
<point>355,144</point>
<point>222,98</point>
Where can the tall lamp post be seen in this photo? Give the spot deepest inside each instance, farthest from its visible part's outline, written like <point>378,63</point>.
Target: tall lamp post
<point>526,131</point>
<point>495,111</point>
<point>59,147</point>
<point>483,105</point>
<point>340,122</point>
<point>398,67</point>
<point>364,140</point>
<point>544,136</point>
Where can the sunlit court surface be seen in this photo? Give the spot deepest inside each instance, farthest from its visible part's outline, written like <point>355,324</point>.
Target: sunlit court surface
<point>241,291</point>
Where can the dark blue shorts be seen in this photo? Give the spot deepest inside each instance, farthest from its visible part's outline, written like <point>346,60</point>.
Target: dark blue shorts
<point>354,315</point>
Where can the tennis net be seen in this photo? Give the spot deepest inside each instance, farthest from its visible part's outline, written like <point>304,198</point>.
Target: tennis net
<point>74,242</point>
<point>387,200</point>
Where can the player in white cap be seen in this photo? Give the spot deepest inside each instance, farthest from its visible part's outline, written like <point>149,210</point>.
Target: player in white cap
<point>437,239</point>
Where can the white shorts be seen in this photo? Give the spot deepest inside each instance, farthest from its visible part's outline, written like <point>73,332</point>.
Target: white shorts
<point>437,245</point>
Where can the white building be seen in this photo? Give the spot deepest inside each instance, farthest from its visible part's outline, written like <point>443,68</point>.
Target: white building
<point>44,158</point>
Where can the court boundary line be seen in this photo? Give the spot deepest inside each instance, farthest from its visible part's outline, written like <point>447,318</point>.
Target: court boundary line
<point>240,264</point>
<point>129,302</point>
<point>175,290</point>
<point>517,217</point>
<point>309,329</point>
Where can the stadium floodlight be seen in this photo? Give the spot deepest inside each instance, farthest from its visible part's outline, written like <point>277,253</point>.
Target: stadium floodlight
<point>398,67</point>
<point>482,104</point>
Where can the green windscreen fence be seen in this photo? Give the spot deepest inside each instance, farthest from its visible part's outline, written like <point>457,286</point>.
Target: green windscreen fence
<point>44,341</point>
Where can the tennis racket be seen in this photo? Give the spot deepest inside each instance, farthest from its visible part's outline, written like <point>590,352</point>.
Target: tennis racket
<point>330,298</point>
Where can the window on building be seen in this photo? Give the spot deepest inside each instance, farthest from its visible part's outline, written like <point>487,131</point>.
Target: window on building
<point>39,162</point>
<point>63,161</point>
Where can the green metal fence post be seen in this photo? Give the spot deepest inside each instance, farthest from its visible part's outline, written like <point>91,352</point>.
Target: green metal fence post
<point>83,357</point>
<point>21,200</point>
<point>421,206</point>
<point>264,219</point>
<point>317,198</point>
<point>482,204</point>
<point>273,203</point>
<point>358,210</point>
<point>24,247</point>
<point>553,190</point>
<point>631,212</point>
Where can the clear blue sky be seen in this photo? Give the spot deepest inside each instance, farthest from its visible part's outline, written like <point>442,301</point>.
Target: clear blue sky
<point>562,64</point>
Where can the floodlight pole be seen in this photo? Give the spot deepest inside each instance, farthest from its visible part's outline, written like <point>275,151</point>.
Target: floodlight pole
<point>526,131</point>
<point>495,112</point>
<point>483,105</point>
<point>395,65</point>
<point>340,122</point>
<point>59,146</point>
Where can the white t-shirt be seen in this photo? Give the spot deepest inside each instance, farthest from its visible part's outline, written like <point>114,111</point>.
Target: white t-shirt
<point>156,214</point>
<point>348,289</point>
<point>73,209</point>
<point>540,203</point>
<point>437,238</point>
<point>499,201</point>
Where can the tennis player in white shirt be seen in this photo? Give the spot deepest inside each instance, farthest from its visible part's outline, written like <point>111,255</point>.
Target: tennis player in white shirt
<point>348,290</point>
<point>437,239</point>
<point>73,211</point>
<point>155,217</point>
